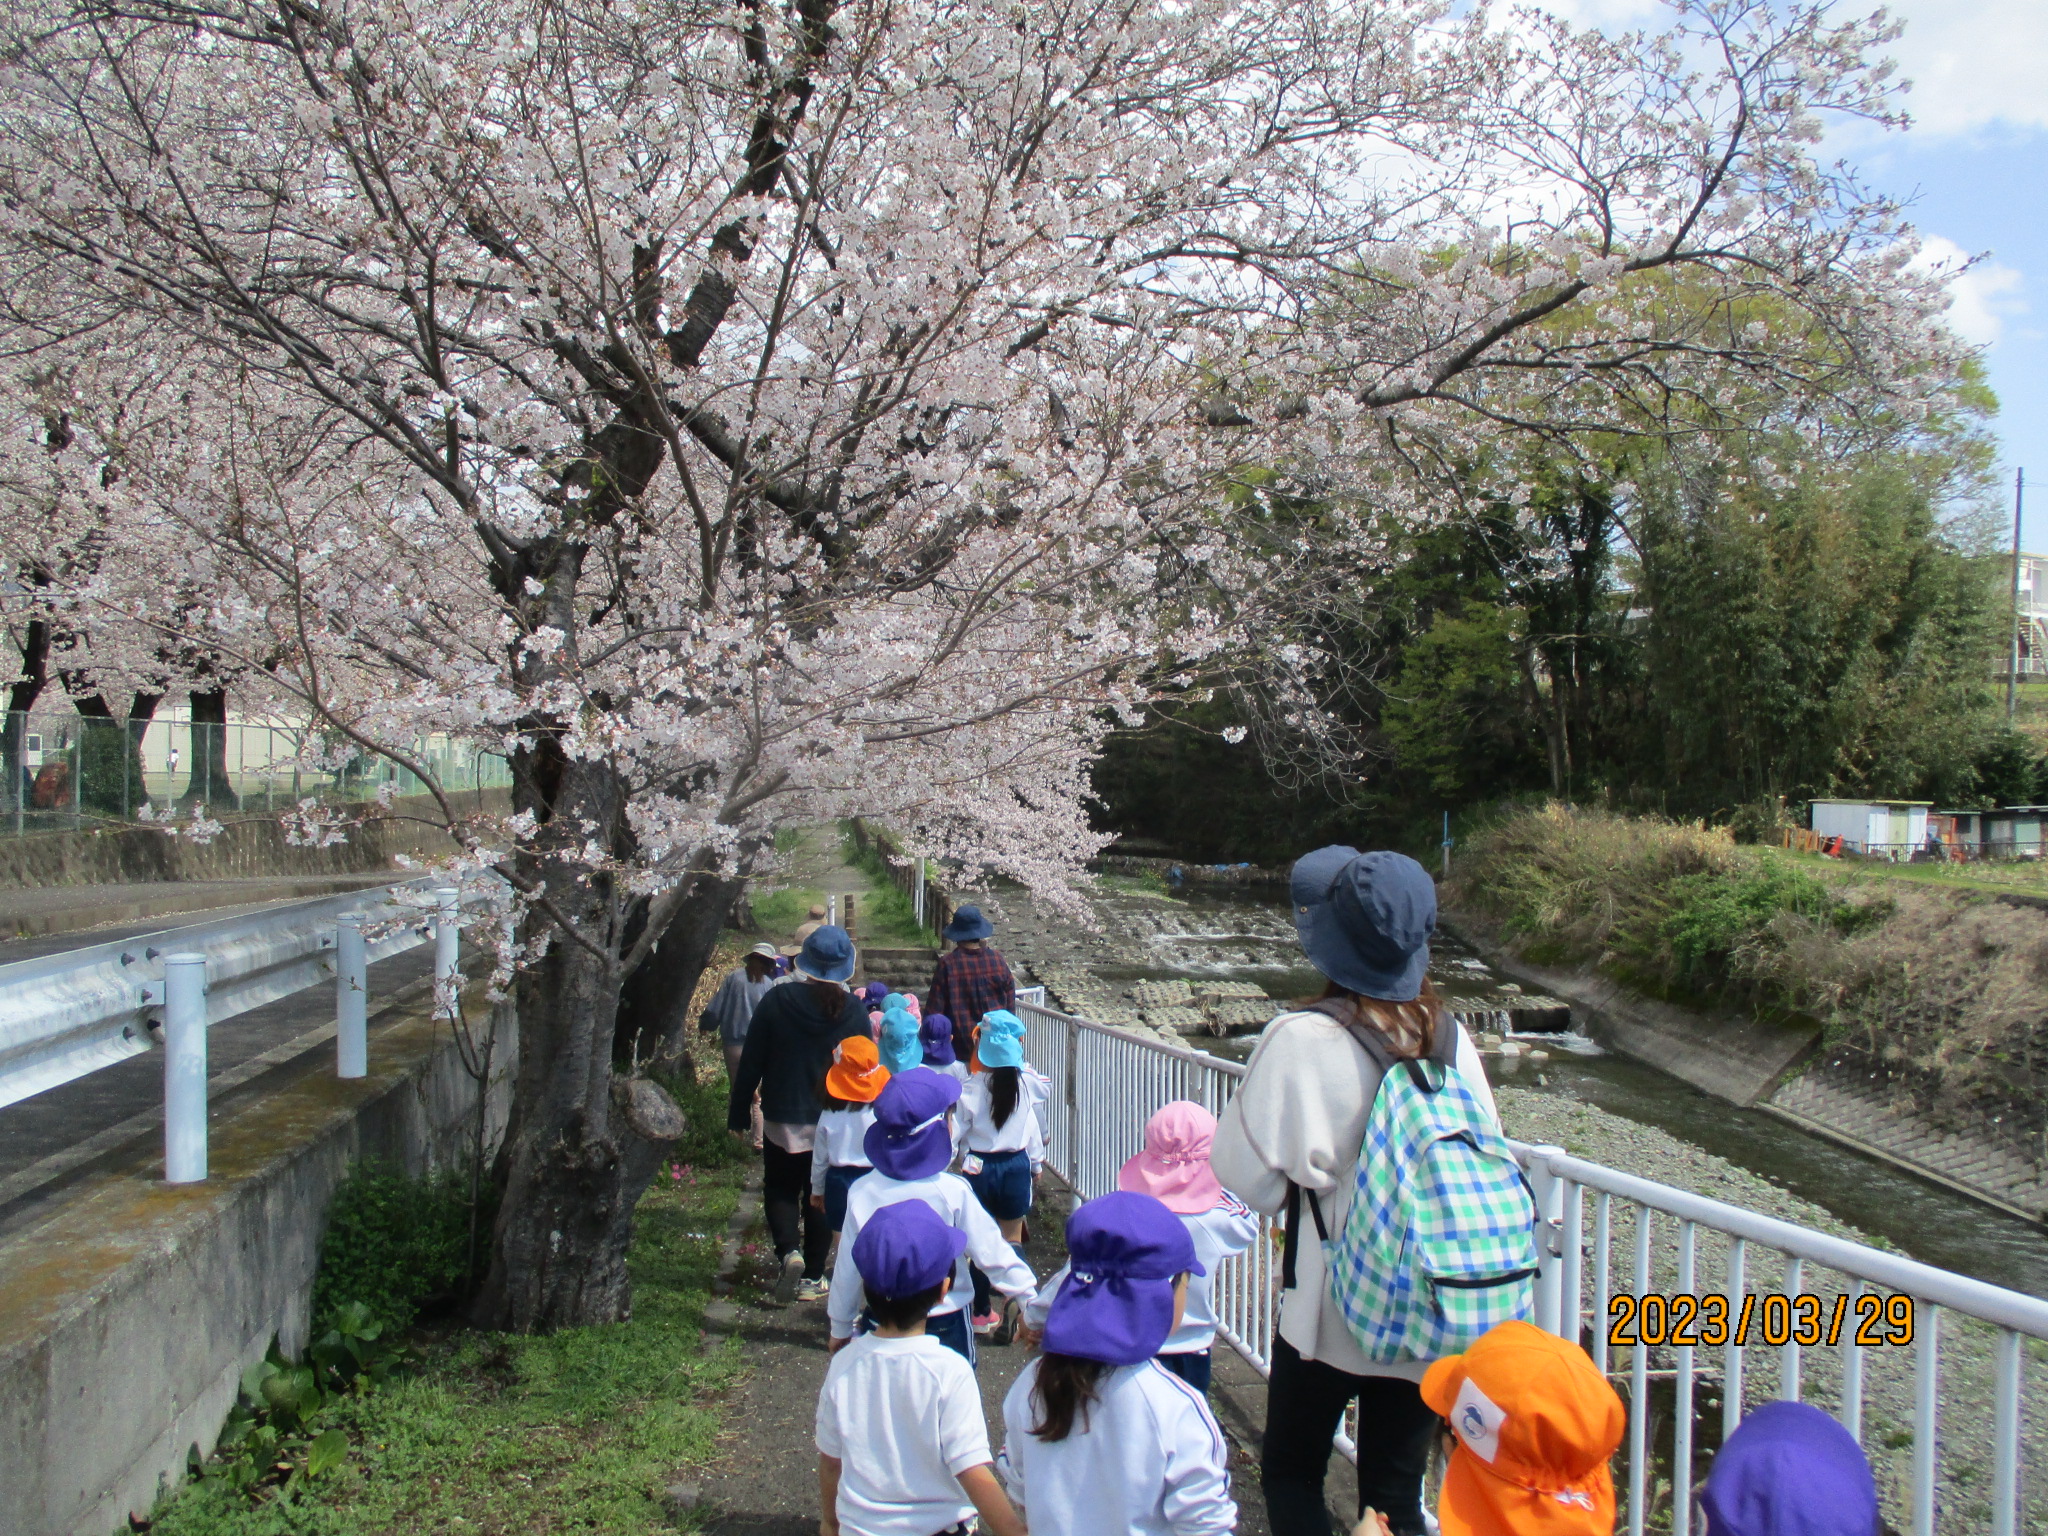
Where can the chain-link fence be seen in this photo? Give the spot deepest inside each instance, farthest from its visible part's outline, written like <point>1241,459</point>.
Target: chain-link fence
<point>61,770</point>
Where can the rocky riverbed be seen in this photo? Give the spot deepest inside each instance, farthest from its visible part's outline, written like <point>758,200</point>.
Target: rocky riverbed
<point>1198,967</point>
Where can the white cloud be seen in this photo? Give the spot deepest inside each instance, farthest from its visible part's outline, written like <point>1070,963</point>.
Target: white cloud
<point>1974,63</point>
<point>1982,298</point>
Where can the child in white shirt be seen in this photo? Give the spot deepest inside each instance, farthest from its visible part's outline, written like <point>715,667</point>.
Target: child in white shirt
<point>1098,1435</point>
<point>902,1450</point>
<point>910,1144</point>
<point>839,1145</point>
<point>1174,1169</point>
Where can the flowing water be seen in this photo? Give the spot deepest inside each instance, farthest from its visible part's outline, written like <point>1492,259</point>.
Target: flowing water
<point>1245,936</point>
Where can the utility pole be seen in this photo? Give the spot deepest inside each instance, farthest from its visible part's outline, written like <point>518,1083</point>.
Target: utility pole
<point>2012,678</point>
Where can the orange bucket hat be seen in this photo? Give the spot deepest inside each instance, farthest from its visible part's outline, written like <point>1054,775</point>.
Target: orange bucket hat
<point>856,1074</point>
<point>1535,1425</point>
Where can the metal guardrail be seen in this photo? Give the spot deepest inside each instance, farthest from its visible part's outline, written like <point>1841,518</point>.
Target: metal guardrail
<point>1107,1082</point>
<point>65,1015</point>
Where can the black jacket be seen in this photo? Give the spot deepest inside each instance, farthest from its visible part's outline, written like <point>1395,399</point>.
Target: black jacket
<point>788,1048</point>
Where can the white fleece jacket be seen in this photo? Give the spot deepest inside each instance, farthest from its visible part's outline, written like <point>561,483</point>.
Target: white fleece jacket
<point>1299,1115</point>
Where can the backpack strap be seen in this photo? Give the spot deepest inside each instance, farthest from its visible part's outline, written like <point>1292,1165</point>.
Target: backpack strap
<point>1443,1045</point>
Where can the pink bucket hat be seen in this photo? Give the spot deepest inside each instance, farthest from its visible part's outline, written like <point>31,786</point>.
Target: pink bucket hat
<point>1174,1167</point>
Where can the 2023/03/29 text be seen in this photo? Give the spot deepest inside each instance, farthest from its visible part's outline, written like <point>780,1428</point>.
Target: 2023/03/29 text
<point>1771,1318</point>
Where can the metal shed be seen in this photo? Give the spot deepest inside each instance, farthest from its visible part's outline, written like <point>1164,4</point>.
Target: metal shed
<point>2014,831</point>
<point>1894,827</point>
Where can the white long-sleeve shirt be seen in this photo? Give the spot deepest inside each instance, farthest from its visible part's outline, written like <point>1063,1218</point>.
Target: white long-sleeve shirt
<point>1221,1232</point>
<point>840,1142</point>
<point>1151,1461</point>
<point>952,1197</point>
<point>1299,1114</point>
<point>975,1130</point>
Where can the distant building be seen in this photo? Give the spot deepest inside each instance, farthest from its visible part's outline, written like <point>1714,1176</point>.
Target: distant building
<point>2033,620</point>
<point>1874,826</point>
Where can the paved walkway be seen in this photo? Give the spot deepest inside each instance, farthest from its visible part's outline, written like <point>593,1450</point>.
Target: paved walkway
<point>764,1481</point>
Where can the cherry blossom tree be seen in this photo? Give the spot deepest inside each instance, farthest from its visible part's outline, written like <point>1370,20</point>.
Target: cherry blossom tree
<point>742,413</point>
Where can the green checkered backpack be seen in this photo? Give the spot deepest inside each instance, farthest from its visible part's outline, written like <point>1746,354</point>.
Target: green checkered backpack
<point>1440,1242</point>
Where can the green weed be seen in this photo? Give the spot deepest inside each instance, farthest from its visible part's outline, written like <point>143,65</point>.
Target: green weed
<point>394,1243</point>
<point>574,1431</point>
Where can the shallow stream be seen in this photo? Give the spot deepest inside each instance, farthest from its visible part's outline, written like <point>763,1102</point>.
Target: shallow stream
<point>1245,936</point>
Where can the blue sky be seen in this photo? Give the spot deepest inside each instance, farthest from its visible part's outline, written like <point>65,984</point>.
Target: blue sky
<point>1975,164</point>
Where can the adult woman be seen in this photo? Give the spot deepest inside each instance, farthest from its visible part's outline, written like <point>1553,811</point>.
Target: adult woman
<point>1299,1118</point>
<point>787,1052</point>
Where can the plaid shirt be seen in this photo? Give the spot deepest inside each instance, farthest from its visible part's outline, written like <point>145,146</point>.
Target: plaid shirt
<point>966,984</point>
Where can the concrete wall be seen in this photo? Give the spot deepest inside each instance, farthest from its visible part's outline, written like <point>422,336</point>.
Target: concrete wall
<point>247,846</point>
<point>129,1308</point>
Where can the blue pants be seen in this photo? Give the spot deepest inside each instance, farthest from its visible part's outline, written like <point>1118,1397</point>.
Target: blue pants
<point>838,1180</point>
<point>1191,1366</point>
<point>1004,1185</point>
<point>949,1328</point>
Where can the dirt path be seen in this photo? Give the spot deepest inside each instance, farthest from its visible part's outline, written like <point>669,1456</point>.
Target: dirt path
<point>764,1479</point>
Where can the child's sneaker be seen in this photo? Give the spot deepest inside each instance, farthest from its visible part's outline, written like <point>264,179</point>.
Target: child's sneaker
<point>985,1322</point>
<point>791,1277</point>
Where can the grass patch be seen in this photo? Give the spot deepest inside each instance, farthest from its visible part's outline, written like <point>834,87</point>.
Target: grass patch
<point>886,915</point>
<point>781,912</point>
<point>510,1436</point>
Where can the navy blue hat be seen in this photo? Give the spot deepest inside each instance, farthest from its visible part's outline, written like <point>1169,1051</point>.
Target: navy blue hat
<point>1365,919</point>
<point>968,923</point>
<point>1124,1251</point>
<point>827,955</point>
<point>910,1138</point>
<point>906,1248</point>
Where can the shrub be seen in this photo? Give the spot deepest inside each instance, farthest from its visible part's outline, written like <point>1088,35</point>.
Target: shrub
<point>1715,913</point>
<point>394,1243</point>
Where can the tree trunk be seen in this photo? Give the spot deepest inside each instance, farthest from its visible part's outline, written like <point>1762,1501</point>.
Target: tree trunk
<point>654,1026</point>
<point>28,686</point>
<point>207,781</point>
<point>582,1144</point>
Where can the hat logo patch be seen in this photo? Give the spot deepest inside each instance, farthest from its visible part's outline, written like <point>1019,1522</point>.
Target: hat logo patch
<point>1578,1498</point>
<point>1478,1421</point>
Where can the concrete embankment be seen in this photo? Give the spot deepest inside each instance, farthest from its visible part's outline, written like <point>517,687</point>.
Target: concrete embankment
<point>129,1308</point>
<point>1774,1066</point>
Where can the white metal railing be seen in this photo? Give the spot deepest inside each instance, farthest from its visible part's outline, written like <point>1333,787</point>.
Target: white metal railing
<point>65,1015</point>
<point>1880,1340</point>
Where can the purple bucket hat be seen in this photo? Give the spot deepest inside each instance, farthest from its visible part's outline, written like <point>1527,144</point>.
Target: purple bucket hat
<point>938,1041</point>
<point>910,1138</point>
<point>1123,1251</point>
<point>906,1248</point>
<point>1790,1470</point>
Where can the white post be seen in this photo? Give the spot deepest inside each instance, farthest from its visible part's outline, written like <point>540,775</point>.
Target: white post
<point>920,893</point>
<point>184,1068</point>
<point>351,998</point>
<point>447,949</point>
<point>1549,1191</point>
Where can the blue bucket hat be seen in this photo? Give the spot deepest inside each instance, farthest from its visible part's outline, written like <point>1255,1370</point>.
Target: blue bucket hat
<point>910,1138</point>
<point>1001,1042</point>
<point>1123,1251</point>
<point>1365,919</point>
<point>968,923</point>
<point>902,1048</point>
<point>827,955</point>
<point>1790,1470</point>
<point>905,1248</point>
